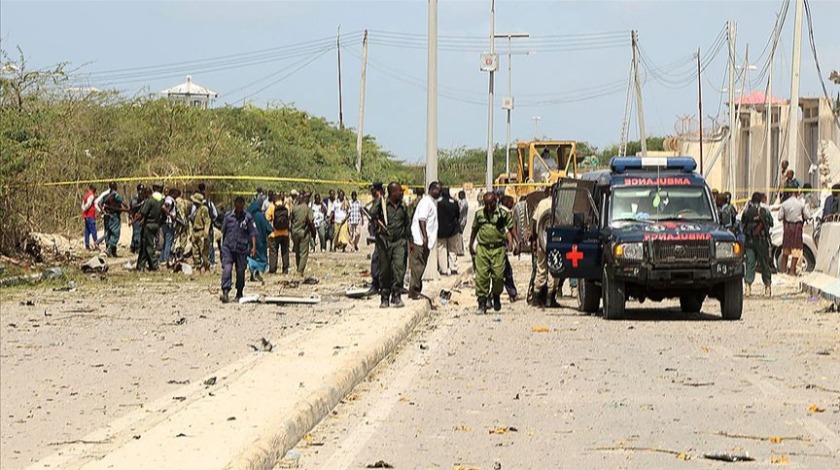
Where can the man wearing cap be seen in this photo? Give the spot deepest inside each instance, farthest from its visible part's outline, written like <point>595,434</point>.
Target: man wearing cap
<point>201,224</point>
<point>149,217</point>
<point>392,232</point>
<point>303,229</point>
<point>239,236</point>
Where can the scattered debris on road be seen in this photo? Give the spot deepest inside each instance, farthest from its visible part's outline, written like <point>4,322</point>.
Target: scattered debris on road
<point>210,382</point>
<point>262,346</point>
<point>540,329</point>
<point>815,409</point>
<point>503,430</point>
<point>729,457</point>
<point>773,439</point>
<point>380,464</point>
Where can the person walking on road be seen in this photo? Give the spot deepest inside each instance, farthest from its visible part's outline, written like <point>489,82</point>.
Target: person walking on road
<point>201,224</point>
<point>149,217</point>
<point>89,216</point>
<point>448,229</point>
<point>492,230</point>
<point>392,227</point>
<point>424,230</point>
<point>329,231</point>
<point>793,213</point>
<point>757,221</point>
<point>303,230</point>
<point>239,232</point>
<point>278,215</point>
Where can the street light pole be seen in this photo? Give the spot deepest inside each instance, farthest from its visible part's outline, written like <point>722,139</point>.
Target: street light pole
<point>488,180</point>
<point>432,98</point>
<point>509,101</point>
<point>536,120</point>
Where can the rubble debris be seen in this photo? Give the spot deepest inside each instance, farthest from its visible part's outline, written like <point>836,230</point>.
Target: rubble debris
<point>178,382</point>
<point>380,464</point>
<point>211,381</point>
<point>310,281</point>
<point>729,457</point>
<point>445,296</point>
<point>262,346</point>
<point>95,265</point>
<point>181,321</point>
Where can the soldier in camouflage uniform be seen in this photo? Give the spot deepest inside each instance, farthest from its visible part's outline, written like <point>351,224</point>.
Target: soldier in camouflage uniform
<point>491,228</point>
<point>757,221</point>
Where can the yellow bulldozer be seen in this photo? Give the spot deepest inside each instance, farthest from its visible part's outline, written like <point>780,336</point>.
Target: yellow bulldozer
<point>540,163</point>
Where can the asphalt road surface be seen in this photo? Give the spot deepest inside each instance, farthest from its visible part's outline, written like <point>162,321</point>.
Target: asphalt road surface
<point>530,388</point>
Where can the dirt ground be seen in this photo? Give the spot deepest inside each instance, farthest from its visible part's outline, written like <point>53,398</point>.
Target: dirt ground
<point>72,361</point>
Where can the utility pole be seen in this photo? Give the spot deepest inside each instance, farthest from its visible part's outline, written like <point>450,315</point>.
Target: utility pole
<point>536,120</point>
<point>488,180</point>
<point>731,146</point>
<point>360,131</point>
<point>509,101</point>
<point>639,109</point>
<point>432,98</point>
<point>340,105</point>
<point>768,150</point>
<point>700,106</point>
<point>795,67</point>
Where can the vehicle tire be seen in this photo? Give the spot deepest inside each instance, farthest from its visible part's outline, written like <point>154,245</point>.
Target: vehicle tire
<point>543,225</point>
<point>589,296</point>
<point>523,225</point>
<point>732,301</point>
<point>614,298</point>
<point>692,303</point>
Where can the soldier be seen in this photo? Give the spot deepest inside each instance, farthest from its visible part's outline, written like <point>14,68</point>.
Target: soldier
<point>392,232</point>
<point>136,227</point>
<point>113,205</point>
<point>201,224</point>
<point>757,222</point>
<point>507,203</point>
<point>303,230</point>
<point>491,228</point>
<point>541,297</point>
<point>239,232</point>
<point>376,193</point>
<point>149,216</point>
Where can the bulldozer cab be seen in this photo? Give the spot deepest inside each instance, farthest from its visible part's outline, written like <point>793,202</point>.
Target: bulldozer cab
<point>545,162</point>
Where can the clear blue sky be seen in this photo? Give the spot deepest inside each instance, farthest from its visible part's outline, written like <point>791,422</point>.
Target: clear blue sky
<point>551,83</point>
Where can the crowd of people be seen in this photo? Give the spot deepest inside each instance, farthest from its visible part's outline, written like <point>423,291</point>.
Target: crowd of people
<point>171,227</point>
<point>796,205</point>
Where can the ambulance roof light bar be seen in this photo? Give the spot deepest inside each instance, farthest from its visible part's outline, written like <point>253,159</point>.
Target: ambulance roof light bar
<point>622,164</point>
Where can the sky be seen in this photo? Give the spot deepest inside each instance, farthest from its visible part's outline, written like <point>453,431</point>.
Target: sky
<point>574,79</point>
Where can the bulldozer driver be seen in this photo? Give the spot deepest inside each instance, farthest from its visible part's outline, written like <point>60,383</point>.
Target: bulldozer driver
<point>539,280</point>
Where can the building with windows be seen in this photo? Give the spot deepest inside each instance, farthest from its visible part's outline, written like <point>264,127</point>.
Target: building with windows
<point>751,167</point>
<point>191,94</point>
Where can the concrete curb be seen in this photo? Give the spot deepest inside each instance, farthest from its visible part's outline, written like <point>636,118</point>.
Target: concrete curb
<point>823,285</point>
<point>269,450</point>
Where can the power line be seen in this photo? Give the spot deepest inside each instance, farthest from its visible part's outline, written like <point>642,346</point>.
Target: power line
<point>817,60</point>
<point>294,71</point>
<point>277,72</point>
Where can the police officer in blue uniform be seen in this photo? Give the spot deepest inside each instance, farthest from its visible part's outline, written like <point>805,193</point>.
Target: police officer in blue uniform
<point>239,235</point>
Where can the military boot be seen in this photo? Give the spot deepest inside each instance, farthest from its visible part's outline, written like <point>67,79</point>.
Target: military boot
<point>497,303</point>
<point>482,306</point>
<point>551,301</point>
<point>539,297</point>
<point>396,301</point>
<point>225,297</point>
<point>384,295</point>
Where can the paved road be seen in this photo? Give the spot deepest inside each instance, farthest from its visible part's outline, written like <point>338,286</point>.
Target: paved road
<point>589,393</point>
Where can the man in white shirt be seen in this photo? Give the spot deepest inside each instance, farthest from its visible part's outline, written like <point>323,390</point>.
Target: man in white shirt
<point>424,229</point>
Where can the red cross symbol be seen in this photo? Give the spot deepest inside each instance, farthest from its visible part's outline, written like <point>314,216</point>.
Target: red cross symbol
<point>574,256</point>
